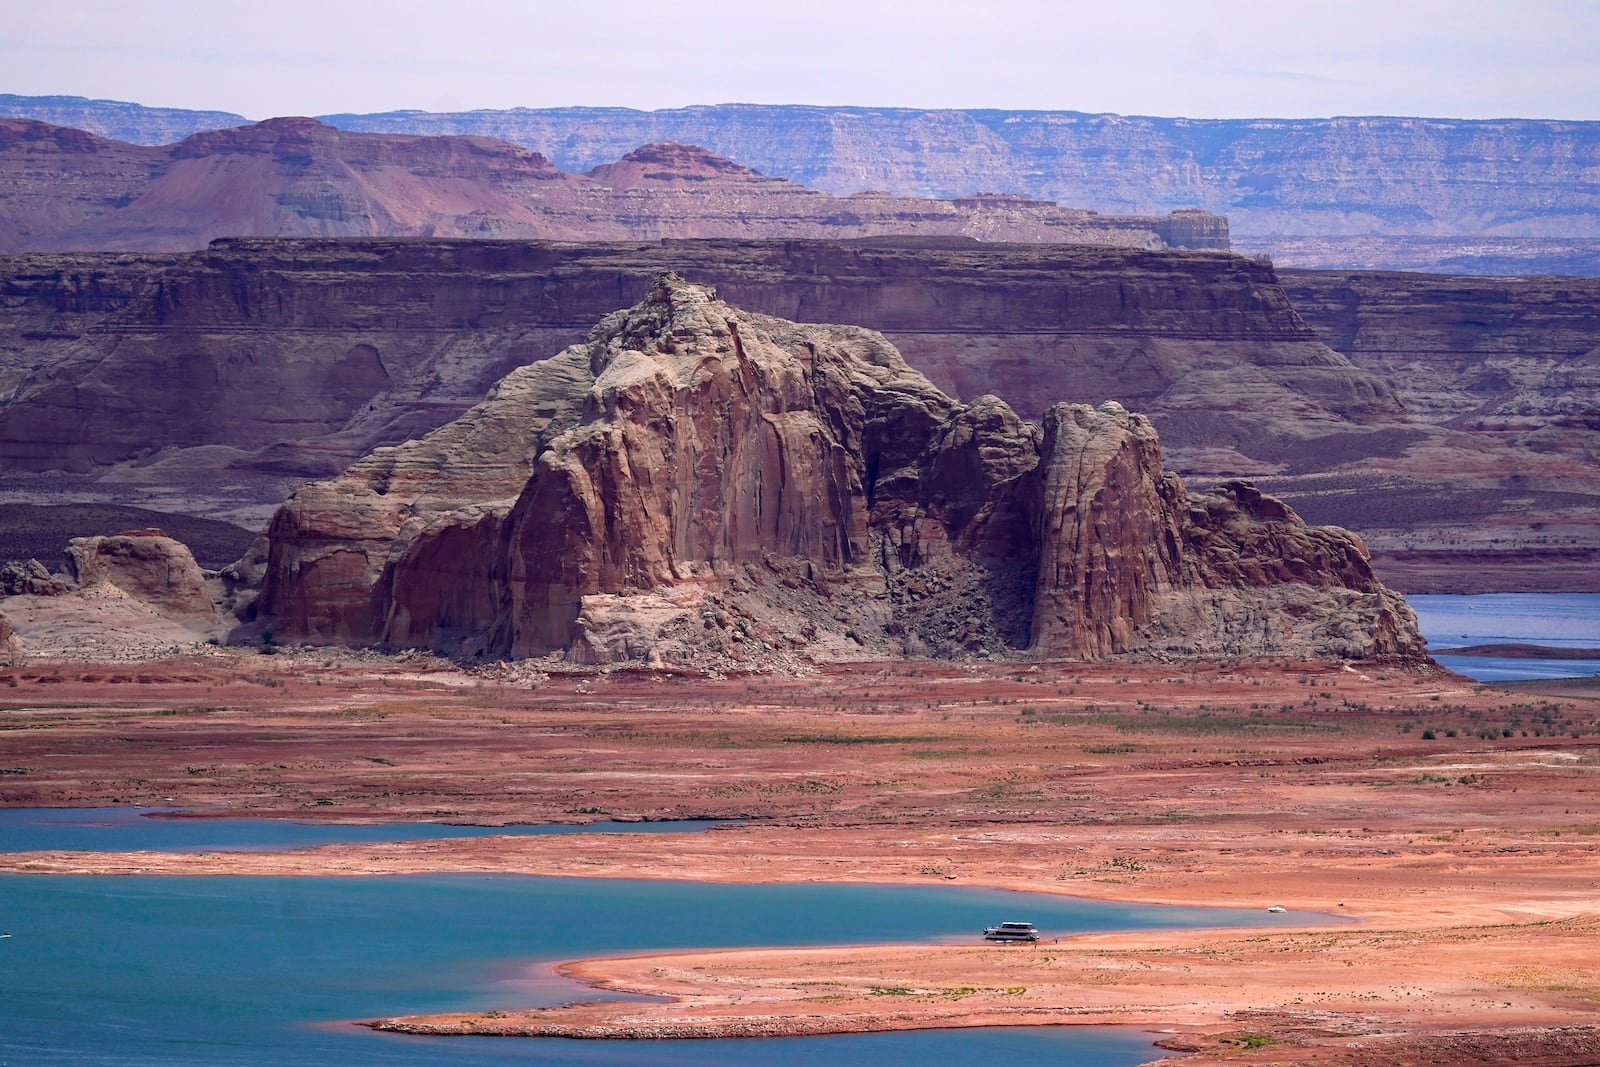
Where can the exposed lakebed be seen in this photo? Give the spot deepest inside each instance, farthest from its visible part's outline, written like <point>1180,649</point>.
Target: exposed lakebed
<point>249,970</point>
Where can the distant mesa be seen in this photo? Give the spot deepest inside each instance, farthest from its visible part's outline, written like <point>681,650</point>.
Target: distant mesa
<point>1363,192</point>
<point>296,177</point>
<point>669,161</point>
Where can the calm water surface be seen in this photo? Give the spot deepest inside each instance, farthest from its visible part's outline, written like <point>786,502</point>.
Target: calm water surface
<point>236,971</point>
<point>1558,620</point>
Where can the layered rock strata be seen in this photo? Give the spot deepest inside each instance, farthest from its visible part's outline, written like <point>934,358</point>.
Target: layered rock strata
<point>215,383</point>
<point>1349,175</point>
<point>694,477</point>
<point>302,355</point>
<point>1501,495</point>
<point>1342,175</point>
<point>294,177</point>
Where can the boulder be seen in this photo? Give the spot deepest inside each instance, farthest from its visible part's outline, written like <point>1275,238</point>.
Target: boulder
<point>148,566</point>
<point>31,578</point>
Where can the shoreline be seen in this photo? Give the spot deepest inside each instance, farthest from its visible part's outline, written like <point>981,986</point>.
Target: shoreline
<point>1459,822</point>
<point>753,992</point>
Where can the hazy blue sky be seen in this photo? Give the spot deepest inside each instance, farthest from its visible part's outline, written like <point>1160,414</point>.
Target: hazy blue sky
<point>1200,58</point>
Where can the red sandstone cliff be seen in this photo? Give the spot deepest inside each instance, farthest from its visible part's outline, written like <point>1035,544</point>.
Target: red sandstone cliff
<point>696,480</point>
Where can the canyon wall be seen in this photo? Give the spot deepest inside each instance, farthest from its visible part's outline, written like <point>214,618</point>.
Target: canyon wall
<point>118,120</point>
<point>1508,371</point>
<point>1291,176</point>
<point>301,355</point>
<point>216,382</point>
<point>1503,196</point>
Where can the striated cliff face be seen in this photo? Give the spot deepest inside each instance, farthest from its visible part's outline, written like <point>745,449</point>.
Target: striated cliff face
<point>1506,374</point>
<point>117,119</point>
<point>695,481</point>
<point>1456,346</point>
<point>296,177</point>
<point>299,356</point>
<point>1348,175</point>
<point>1505,196</point>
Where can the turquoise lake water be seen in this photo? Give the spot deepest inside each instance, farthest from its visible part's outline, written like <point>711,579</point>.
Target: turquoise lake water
<point>1558,620</point>
<point>231,971</point>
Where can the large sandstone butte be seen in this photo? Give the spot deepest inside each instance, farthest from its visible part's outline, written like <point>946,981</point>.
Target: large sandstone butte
<point>66,189</point>
<point>696,478</point>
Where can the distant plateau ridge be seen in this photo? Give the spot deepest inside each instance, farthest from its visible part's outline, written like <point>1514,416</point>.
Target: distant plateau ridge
<point>1481,196</point>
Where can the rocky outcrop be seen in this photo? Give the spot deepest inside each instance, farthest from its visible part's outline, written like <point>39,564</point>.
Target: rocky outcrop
<point>137,594</point>
<point>31,578</point>
<point>696,480</point>
<point>295,177</point>
<point>148,566</point>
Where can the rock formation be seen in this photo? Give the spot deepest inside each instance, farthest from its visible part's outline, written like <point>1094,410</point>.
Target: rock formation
<point>215,383</point>
<point>697,480</point>
<point>134,594</point>
<point>148,566</point>
<point>31,578</point>
<point>66,189</point>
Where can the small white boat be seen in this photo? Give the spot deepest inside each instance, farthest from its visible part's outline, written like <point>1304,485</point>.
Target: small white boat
<point>1011,932</point>
<point>1277,909</point>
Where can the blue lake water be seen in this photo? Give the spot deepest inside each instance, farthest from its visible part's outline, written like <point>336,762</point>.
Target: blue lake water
<point>1559,620</point>
<point>226,971</point>
<point>134,829</point>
